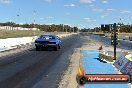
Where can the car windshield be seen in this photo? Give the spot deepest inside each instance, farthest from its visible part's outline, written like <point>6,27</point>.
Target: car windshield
<point>47,37</point>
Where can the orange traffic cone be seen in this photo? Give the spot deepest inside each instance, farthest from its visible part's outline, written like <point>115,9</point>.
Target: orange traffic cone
<point>100,48</point>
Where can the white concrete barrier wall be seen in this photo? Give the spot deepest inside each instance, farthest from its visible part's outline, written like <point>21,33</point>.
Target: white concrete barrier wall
<point>11,43</point>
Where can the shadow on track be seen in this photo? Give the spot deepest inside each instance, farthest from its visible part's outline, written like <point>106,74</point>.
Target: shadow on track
<point>100,60</point>
<point>43,49</point>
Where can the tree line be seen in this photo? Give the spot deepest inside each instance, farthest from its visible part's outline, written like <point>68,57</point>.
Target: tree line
<point>44,27</point>
<point>107,28</point>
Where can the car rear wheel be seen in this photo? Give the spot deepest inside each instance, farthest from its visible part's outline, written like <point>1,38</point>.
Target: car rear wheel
<point>37,48</point>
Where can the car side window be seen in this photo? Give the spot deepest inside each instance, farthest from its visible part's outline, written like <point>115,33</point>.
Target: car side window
<point>42,37</point>
<point>51,37</point>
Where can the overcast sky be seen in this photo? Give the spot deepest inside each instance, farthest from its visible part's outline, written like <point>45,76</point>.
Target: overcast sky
<point>81,13</point>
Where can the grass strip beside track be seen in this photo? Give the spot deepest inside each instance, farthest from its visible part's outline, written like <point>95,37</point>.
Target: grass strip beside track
<point>18,33</point>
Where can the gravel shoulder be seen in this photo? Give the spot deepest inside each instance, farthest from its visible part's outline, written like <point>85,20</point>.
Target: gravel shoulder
<point>69,78</point>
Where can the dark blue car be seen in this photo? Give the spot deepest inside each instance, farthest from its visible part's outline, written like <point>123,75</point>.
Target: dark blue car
<point>48,40</point>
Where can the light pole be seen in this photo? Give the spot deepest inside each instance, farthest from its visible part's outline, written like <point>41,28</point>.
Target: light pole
<point>34,13</point>
<point>120,24</point>
<point>18,23</point>
<point>18,15</point>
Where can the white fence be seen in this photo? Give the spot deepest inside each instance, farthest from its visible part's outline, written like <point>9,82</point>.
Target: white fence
<point>16,28</point>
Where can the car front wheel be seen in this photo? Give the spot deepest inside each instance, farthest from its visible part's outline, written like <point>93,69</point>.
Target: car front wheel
<point>59,46</point>
<point>56,48</point>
